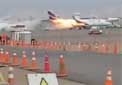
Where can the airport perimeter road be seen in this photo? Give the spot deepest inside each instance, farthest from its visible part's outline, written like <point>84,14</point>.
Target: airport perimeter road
<point>109,35</point>
<point>89,68</point>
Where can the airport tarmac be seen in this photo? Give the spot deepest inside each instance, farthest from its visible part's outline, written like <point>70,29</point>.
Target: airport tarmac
<point>109,35</point>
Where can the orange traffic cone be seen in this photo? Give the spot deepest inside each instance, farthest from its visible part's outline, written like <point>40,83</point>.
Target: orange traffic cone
<point>24,60</point>
<point>62,71</point>
<point>1,55</point>
<point>108,80</point>
<point>10,76</point>
<point>46,64</point>
<point>115,48</point>
<point>7,58</point>
<point>34,65</point>
<point>15,60</point>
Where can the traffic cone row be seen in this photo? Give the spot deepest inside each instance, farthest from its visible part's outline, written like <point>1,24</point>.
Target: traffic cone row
<point>52,45</point>
<point>34,64</point>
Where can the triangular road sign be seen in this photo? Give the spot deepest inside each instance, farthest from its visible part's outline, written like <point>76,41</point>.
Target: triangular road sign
<point>43,82</point>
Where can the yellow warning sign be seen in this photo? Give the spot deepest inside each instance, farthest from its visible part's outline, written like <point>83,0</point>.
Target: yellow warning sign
<point>42,79</point>
<point>43,82</point>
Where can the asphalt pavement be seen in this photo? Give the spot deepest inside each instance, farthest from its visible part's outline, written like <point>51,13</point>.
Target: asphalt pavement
<point>82,67</point>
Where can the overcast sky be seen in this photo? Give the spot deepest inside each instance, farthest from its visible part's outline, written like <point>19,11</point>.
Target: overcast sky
<point>64,8</point>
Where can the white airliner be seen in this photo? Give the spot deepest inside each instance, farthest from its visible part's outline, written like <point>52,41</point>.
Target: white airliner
<point>63,24</point>
<point>93,21</point>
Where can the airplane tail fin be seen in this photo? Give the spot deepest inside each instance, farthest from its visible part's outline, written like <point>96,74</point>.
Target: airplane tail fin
<point>77,18</point>
<point>52,16</point>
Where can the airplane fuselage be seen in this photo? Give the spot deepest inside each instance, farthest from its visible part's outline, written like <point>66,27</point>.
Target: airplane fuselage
<point>96,22</point>
<point>65,23</point>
